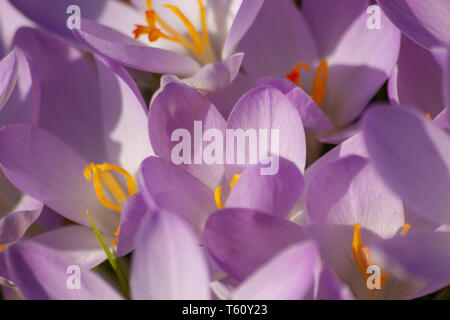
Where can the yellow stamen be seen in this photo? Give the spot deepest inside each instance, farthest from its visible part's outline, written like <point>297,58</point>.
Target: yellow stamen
<point>362,255</point>
<point>101,177</point>
<point>428,116</point>
<point>320,80</point>
<point>199,46</point>
<point>405,230</point>
<point>217,193</point>
<point>3,247</point>
<point>234,180</point>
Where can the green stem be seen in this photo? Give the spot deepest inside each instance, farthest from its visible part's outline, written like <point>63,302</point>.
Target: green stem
<point>111,258</point>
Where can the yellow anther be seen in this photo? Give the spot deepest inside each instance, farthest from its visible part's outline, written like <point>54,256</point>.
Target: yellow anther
<point>199,46</point>
<point>234,180</point>
<point>406,228</point>
<point>320,80</point>
<point>217,194</point>
<point>362,255</point>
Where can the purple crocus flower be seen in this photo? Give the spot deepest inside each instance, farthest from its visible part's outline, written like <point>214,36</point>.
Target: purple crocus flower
<point>167,264</point>
<point>412,155</point>
<point>90,128</point>
<point>326,49</point>
<point>190,39</point>
<point>18,95</point>
<point>350,212</point>
<point>198,189</point>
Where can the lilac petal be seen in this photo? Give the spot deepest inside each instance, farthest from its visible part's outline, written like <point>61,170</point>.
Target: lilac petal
<point>269,36</point>
<point>339,195</point>
<point>52,15</point>
<point>242,22</point>
<point>331,288</point>
<point>40,274</point>
<point>287,276</point>
<point>242,240</point>
<point>168,187</point>
<point>11,20</point>
<point>329,20</point>
<point>425,22</point>
<point>273,194</point>
<point>357,68</point>
<point>312,116</point>
<point>133,213</point>
<point>394,137</point>
<point>28,160</point>
<point>8,76</point>
<point>424,255</point>
<point>269,109</point>
<point>49,219</point>
<point>417,81</point>
<point>168,262</point>
<point>178,106</point>
<point>14,225</point>
<point>442,121</point>
<point>216,76</point>
<point>124,116</point>
<point>76,245</point>
<point>133,54</point>
<point>24,102</point>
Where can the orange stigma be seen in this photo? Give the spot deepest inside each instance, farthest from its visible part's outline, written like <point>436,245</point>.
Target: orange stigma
<point>100,175</point>
<point>218,191</point>
<point>320,80</point>
<point>197,44</point>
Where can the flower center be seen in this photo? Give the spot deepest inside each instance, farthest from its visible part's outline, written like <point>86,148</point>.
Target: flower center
<point>320,80</point>
<point>101,177</point>
<point>218,191</point>
<point>363,256</point>
<point>198,45</point>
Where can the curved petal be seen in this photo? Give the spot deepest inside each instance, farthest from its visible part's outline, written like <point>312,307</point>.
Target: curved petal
<point>267,109</point>
<point>273,194</point>
<point>357,68</point>
<point>270,35</point>
<point>131,53</point>
<point>14,225</point>
<point>329,20</point>
<point>168,187</point>
<point>76,245</point>
<point>242,240</point>
<point>287,276</point>
<point>168,262</point>
<point>176,108</point>
<point>134,211</point>
<point>41,165</point>
<point>40,274</point>
<point>242,22</point>
<point>418,79</point>
<point>413,157</point>
<point>8,77</point>
<point>216,76</point>
<point>425,22</point>
<point>53,15</point>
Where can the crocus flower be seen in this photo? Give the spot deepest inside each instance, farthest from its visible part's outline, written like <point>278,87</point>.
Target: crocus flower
<point>326,49</point>
<point>425,22</point>
<point>167,264</point>
<point>18,95</point>
<point>190,39</point>
<point>87,139</point>
<point>198,189</point>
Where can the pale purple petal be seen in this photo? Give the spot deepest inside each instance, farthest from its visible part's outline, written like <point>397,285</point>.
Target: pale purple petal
<point>242,240</point>
<point>287,276</point>
<point>168,262</point>
<point>425,22</point>
<point>40,274</point>
<point>412,156</point>
<point>8,77</point>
